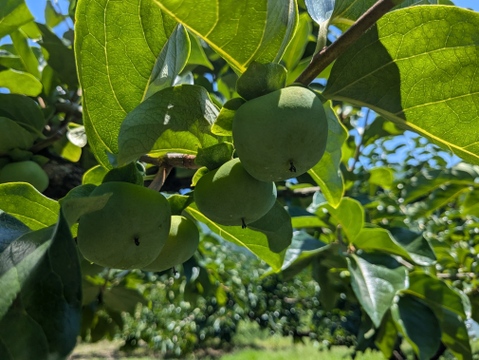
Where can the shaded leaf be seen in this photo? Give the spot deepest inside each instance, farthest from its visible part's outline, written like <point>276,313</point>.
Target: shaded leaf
<point>214,156</point>
<point>295,50</point>
<point>416,245</point>
<point>176,119</point>
<point>375,279</point>
<point>170,63</point>
<point>224,122</point>
<point>414,319</point>
<point>10,229</point>
<point>13,136</point>
<point>121,299</point>
<point>254,241</point>
<point>23,110</point>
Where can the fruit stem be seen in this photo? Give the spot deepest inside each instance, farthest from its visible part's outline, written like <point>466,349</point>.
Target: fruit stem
<point>243,224</point>
<point>160,177</point>
<point>327,55</point>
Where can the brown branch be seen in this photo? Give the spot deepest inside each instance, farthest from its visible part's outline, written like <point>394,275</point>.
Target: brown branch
<point>172,160</point>
<point>160,178</point>
<point>327,55</point>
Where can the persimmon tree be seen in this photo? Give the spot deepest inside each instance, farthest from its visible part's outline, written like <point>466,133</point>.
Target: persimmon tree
<point>146,92</point>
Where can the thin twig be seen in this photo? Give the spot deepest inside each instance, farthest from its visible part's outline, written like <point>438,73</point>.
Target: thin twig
<point>326,56</point>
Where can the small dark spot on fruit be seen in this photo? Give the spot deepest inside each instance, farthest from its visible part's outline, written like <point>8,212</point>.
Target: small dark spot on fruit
<point>137,241</point>
<point>292,167</point>
<point>243,224</point>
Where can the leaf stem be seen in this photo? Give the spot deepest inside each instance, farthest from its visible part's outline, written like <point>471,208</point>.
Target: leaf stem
<point>327,55</point>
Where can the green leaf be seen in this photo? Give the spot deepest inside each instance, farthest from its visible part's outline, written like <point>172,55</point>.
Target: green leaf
<point>254,241</point>
<point>13,14</point>
<point>381,240</point>
<point>415,244</point>
<point>448,307</point>
<point>121,299</point>
<point>261,79</point>
<point>419,73</point>
<point>13,136</point>
<point>197,54</point>
<point>127,173</point>
<point>176,119</point>
<point>114,77</point>
<point>60,57</point>
<point>326,172</point>
<point>19,82</point>
<point>215,155</point>
<point>386,335</point>
<point>95,175</point>
<point>276,225</point>
<point>40,274</point>
<point>295,50</point>
<point>170,63</point>
<point>375,279</point>
<point>381,176</point>
<point>224,122</point>
<point>414,319</point>
<point>25,203</point>
<point>52,17</point>
<point>74,207</point>
<point>23,110</point>
<point>25,53</point>
<point>240,32</point>
<point>380,128</point>
<point>349,215</point>
<point>10,229</point>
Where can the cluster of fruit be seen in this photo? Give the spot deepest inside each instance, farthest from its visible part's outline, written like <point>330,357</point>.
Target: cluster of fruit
<point>276,136</point>
<point>135,230</point>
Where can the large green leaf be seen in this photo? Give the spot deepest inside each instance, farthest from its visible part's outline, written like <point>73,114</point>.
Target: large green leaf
<point>13,136</point>
<point>414,319</point>
<point>40,282</point>
<point>13,14</point>
<point>375,279</point>
<point>176,119</point>
<point>255,241</point>
<point>240,32</point>
<point>116,48</point>
<point>10,229</point>
<point>326,172</point>
<point>346,12</point>
<point>449,309</point>
<point>417,68</point>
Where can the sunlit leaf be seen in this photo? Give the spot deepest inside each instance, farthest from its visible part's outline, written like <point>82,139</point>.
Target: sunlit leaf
<point>116,48</point>
<point>240,32</point>
<point>417,68</point>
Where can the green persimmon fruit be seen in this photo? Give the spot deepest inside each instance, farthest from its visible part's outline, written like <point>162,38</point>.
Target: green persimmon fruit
<point>129,231</point>
<point>181,244</point>
<point>230,196</point>
<point>282,134</point>
<point>26,171</point>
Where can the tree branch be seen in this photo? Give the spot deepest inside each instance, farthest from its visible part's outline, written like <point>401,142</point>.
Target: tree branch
<point>327,55</point>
